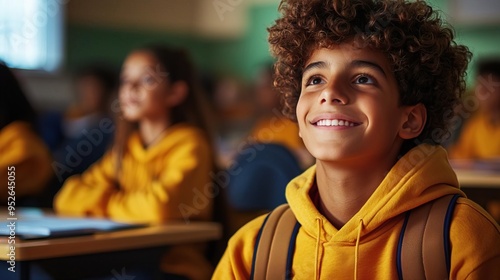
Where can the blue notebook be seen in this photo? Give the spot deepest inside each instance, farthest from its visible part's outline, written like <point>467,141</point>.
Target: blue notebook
<point>34,226</point>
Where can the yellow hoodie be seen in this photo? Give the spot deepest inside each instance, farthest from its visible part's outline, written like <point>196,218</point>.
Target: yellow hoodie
<point>154,185</point>
<point>22,148</point>
<point>479,139</point>
<point>153,181</point>
<point>283,131</point>
<point>365,247</point>
<point>279,130</point>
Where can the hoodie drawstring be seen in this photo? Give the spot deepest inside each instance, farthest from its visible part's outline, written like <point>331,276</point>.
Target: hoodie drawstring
<point>356,252</point>
<point>318,244</point>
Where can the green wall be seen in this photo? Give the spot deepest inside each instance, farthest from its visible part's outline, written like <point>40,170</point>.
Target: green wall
<point>87,44</point>
<point>245,56</point>
<point>482,40</point>
<point>239,57</point>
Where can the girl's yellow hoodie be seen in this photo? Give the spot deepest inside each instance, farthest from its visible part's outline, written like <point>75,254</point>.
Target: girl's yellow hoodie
<point>23,154</point>
<point>365,247</point>
<point>154,185</point>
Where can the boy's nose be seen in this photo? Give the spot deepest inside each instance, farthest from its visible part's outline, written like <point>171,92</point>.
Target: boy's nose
<point>333,95</point>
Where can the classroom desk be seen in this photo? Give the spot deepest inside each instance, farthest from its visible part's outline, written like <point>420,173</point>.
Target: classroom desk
<point>470,178</point>
<point>141,244</point>
<point>479,185</point>
<point>152,236</point>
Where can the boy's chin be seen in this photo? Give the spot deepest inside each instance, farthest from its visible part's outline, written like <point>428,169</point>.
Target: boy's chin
<point>330,156</point>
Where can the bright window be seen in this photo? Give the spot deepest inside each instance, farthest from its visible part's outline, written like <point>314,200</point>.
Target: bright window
<point>31,33</point>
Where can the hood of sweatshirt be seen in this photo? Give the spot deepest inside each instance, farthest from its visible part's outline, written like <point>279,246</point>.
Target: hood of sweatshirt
<point>168,140</point>
<point>422,175</point>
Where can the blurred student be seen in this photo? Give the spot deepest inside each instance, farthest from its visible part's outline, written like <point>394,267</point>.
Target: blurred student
<point>81,124</point>
<point>272,126</point>
<point>234,107</point>
<point>24,158</point>
<point>267,159</point>
<point>480,137</point>
<point>161,158</point>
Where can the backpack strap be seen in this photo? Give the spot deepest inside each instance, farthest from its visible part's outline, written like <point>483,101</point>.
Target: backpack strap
<point>276,239</point>
<point>425,230</point>
<point>425,236</point>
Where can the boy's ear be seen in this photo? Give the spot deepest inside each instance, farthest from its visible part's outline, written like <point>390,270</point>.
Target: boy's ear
<point>178,93</point>
<point>414,121</point>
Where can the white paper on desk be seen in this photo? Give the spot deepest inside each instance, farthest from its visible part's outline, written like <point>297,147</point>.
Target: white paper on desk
<point>31,227</point>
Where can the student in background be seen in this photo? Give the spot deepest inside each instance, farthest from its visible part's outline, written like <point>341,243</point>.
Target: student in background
<point>272,126</point>
<point>161,158</point>
<point>267,159</point>
<point>22,153</point>
<point>480,137</point>
<point>369,82</point>
<point>234,108</point>
<point>76,137</point>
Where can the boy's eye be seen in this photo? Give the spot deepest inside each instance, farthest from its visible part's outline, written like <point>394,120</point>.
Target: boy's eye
<point>315,80</point>
<point>364,79</point>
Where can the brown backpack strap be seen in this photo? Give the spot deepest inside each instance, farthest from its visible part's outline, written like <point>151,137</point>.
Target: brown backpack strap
<point>270,257</point>
<point>423,250</point>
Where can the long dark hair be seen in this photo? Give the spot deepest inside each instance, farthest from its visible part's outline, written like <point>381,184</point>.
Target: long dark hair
<point>14,106</point>
<point>193,110</point>
<point>180,68</point>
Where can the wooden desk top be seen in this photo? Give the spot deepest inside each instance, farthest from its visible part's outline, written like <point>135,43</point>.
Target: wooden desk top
<point>477,173</point>
<point>152,236</point>
<point>477,179</point>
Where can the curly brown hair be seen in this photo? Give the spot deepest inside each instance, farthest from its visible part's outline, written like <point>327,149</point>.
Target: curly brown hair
<point>428,65</point>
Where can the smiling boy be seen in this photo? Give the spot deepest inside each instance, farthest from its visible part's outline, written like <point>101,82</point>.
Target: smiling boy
<point>368,83</point>
<point>350,120</point>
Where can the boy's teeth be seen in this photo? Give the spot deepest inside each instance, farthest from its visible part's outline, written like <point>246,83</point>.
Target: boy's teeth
<point>334,123</point>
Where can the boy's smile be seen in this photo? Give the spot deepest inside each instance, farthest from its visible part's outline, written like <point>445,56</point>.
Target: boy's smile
<point>334,121</point>
<point>349,105</point>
